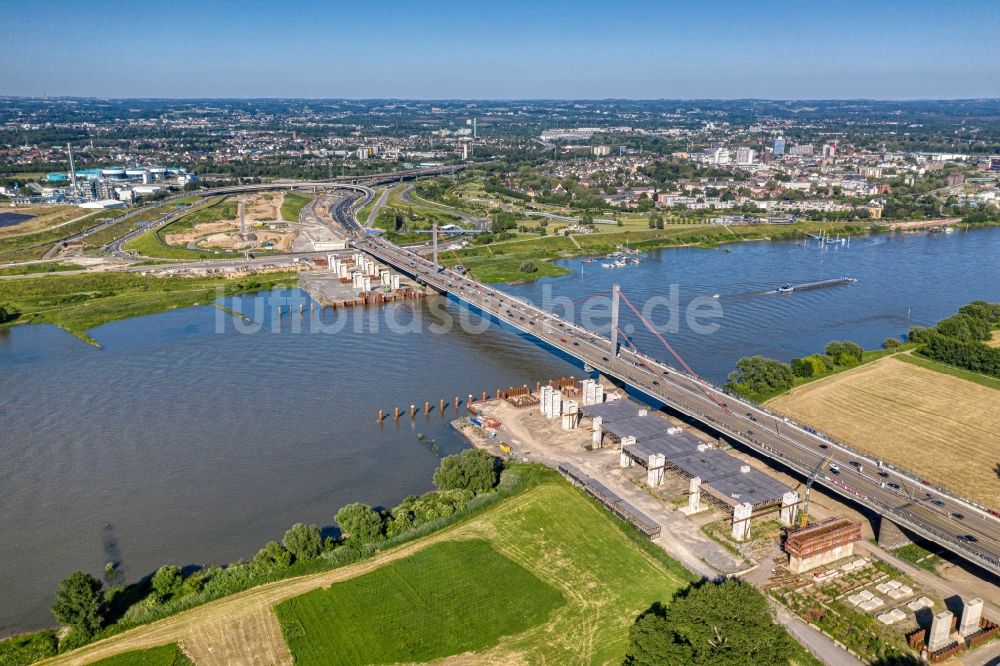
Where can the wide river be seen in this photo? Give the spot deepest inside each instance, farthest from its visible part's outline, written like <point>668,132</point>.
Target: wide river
<point>186,440</point>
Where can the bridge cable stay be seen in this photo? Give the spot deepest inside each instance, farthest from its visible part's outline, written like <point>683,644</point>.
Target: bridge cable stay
<point>577,301</point>
<point>626,338</point>
<point>680,360</point>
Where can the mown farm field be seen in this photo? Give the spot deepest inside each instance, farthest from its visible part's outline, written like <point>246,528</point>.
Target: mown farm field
<point>941,427</point>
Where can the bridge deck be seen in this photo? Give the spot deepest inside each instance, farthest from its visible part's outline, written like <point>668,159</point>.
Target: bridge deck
<point>920,508</point>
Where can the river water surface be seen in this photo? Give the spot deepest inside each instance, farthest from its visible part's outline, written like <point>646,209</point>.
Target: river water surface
<point>177,443</point>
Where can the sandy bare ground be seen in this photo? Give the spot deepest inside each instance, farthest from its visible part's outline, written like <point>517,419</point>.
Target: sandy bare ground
<point>941,427</point>
<point>995,340</point>
<point>922,224</point>
<point>224,234</point>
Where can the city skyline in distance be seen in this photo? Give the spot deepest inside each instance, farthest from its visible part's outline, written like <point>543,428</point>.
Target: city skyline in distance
<point>513,50</point>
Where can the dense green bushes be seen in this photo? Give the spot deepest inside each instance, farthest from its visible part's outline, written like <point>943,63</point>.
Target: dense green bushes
<point>959,340</point>
<point>469,484</point>
<point>760,378</point>
<point>28,648</point>
<point>710,623</point>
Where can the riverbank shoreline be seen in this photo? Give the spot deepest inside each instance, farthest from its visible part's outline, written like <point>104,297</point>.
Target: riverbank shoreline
<point>745,234</point>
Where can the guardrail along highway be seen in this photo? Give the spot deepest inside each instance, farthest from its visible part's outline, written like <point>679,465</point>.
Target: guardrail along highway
<point>956,524</point>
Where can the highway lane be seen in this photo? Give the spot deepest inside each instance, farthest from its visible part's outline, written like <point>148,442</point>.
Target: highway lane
<point>954,523</point>
<point>407,195</point>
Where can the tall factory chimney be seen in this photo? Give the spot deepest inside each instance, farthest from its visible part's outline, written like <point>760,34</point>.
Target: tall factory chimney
<point>72,169</point>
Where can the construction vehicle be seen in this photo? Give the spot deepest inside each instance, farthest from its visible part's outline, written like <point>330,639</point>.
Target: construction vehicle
<point>804,514</point>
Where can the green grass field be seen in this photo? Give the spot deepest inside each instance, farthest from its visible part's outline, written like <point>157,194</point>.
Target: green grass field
<point>152,243</point>
<point>982,380</point>
<point>116,231</point>
<point>78,303</point>
<point>606,573</point>
<point>33,246</point>
<point>219,208</point>
<point>293,204</point>
<point>439,602</point>
<point>165,655</point>
<point>28,269</point>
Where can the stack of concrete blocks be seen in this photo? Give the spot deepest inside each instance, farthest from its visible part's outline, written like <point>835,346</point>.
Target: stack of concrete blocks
<point>385,277</point>
<point>394,282</point>
<point>654,469</point>
<point>598,436</point>
<point>741,521</point>
<point>570,414</point>
<point>332,262</point>
<point>366,283</point>
<point>625,460</point>
<point>789,507</point>
<point>357,279</point>
<point>343,270</point>
<point>972,615</point>
<point>694,495</point>
<point>940,635</point>
<point>358,258</point>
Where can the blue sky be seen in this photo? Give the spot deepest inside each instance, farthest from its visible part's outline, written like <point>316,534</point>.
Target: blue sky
<point>893,49</point>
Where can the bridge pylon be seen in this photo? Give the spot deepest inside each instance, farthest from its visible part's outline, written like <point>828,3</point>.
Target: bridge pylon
<point>615,294</point>
<point>434,235</point>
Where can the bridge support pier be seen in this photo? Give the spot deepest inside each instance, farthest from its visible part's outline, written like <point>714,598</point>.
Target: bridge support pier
<point>889,534</point>
<point>972,615</point>
<point>741,521</point>
<point>598,436</point>
<point>940,634</point>
<point>624,459</point>
<point>694,496</point>
<point>789,508</point>
<point>654,473</point>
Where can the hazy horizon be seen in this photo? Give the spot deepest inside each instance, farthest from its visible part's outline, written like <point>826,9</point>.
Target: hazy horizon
<point>516,50</point>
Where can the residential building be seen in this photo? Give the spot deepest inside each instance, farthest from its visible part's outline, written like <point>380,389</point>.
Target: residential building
<point>745,155</point>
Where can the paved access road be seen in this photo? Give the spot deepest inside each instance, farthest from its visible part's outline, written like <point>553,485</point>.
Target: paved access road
<point>954,523</point>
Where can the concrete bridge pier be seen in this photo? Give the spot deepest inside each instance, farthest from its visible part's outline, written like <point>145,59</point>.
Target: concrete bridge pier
<point>889,534</point>
<point>741,521</point>
<point>694,495</point>
<point>654,474</point>
<point>940,634</point>
<point>624,459</point>
<point>598,436</point>
<point>972,615</point>
<point>789,508</point>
